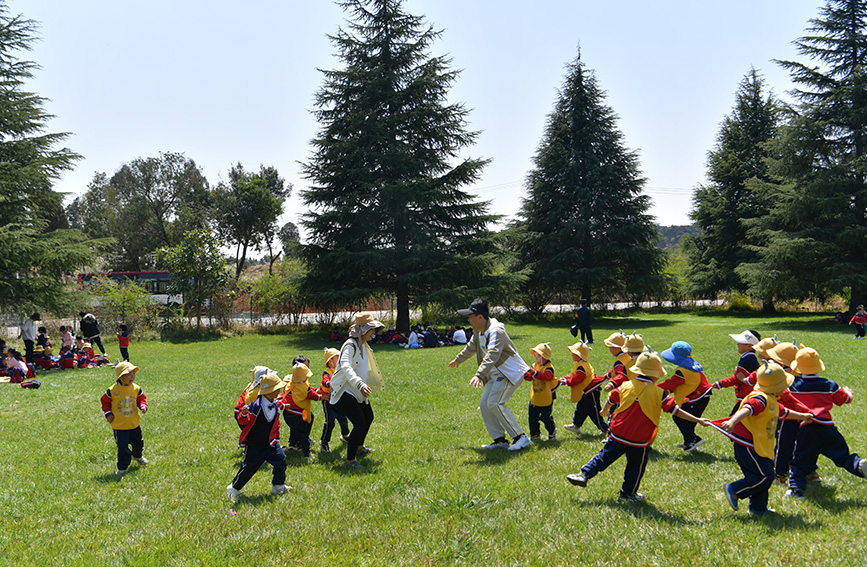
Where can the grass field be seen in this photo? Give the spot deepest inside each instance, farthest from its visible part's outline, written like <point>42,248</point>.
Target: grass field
<point>428,495</point>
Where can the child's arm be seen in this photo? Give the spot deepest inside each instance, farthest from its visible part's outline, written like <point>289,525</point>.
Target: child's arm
<point>106,406</point>
<point>682,413</point>
<point>729,424</point>
<point>142,402</point>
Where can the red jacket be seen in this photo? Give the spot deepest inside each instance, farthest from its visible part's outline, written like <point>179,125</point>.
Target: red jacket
<point>631,426</point>
<point>255,413</point>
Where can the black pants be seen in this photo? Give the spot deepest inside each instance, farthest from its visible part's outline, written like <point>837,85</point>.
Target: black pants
<point>687,428</point>
<point>588,333</point>
<point>126,438</point>
<point>254,458</point>
<point>299,431</point>
<point>361,416</point>
<point>96,341</point>
<point>124,353</point>
<point>28,351</point>
<point>330,416</point>
<point>543,414</point>
<point>588,407</point>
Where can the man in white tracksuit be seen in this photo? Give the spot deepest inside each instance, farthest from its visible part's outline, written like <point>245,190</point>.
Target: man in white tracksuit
<point>501,371</point>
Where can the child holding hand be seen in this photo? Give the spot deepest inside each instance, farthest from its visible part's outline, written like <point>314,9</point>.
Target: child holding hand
<point>585,386</point>
<point>330,413</point>
<point>542,394</point>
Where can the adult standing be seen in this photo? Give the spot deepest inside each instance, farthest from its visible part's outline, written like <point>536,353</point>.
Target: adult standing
<point>585,322</point>
<point>356,376</point>
<point>501,371</point>
<point>90,330</point>
<point>28,335</point>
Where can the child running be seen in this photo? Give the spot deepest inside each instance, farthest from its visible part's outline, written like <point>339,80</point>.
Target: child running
<point>747,364</point>
<point>585,387</point>
<point>690,390</point>
<point>121,405</point>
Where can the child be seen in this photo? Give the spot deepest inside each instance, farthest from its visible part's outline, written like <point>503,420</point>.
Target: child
<point>260,437</point>
<point>43,340</point>
<point>67,357</point>
<point>542,393</point>
<point>331,414</point>
<point>690,390</point>
<point>16,368</point>
<point>123,342</point>
<point>633,426</point>
<point>298,411</point>
<point>747,364</point>
<point>820,437</point>
<point>247,395</point>
<point>615,344</point>
<point>585,387</point>
<point>860,319</point>
<point>66,338</point>
<point>79,344</point>
<point>121,405</point>
<point>753,427</point>
<point>633,345</point>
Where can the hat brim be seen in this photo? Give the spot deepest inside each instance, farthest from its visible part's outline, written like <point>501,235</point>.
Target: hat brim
<point>465,312</point>
<point>635,373</point>
<point>776,388</point>
<point>742,339</point>
<point>682,361</point>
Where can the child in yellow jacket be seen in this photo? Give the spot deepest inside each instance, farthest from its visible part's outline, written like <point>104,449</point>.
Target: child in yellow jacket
<point>542,393</point>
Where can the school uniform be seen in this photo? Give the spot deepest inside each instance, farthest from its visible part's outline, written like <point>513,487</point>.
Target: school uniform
<point>585,387</point>
<point>691,392</point>
<point>541,398</point>
<point>123,343</point>
<point>260,439</point>
<point>747,365</point>
<point>860,320</point>
<point>330,413</point>
<point>124,402</point>
<point>298,413</point>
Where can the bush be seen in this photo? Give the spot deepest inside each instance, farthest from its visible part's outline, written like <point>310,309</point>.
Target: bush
<point>739,303</point>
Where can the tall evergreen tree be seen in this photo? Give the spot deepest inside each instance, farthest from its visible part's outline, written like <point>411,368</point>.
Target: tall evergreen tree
<point>34,256</point>
<point>721,207</point>
<point>817,229</point>
<point>388,213</point>
<point>586,223</point>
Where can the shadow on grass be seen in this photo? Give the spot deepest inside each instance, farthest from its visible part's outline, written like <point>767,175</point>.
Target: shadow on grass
<point>776,522</point>
<point>824,496</point>
<point>109,478</point>
<point>700,457</point>
<point>256,500</point>
<point>644,510</point>
<point>489,457</point>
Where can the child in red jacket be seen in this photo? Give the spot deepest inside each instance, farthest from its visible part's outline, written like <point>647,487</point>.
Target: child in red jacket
<point>585,387</point>
<point>541,375</point>
<point>121,405</point>
<point>297,409</point>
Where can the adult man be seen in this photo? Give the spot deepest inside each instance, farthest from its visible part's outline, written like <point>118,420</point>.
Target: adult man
<point>501,371</point>
<point>90,330</point>
<point>28,335</point>
<point>585,320</point>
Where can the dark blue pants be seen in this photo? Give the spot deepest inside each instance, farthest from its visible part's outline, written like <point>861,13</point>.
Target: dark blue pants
<point>299,431</point>
<point>254,458</point>
<point>758,477</point>
<point>124,353</point>
<point>543,414</point>
<point>859,330</point>
<point>586,333</point>
<point>361,416</point>
<point>636,462</point>
<point>126,438</point>
<point>814,440</point>
<point>787,432</point>
<point>687,428</point>
<point>330,416</point>
<point>588,406</point>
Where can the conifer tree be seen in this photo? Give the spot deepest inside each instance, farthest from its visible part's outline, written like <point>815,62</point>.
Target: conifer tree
<point>721,207</point>
<point>585,220</point>
<point>388,212</point>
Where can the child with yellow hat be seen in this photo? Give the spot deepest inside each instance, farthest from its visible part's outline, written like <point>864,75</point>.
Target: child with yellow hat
<point>541,374</point>
<point>330,413</point>
<point>121,405</point>
<point>622,359</point>
<point>246,396</point>
<point>297,407</point>
<point>260,437</point>
<point>585,386</point>
<point>821,437</point>
<point>747,364</point>
<point>753,428</point>
<point>633,426</point>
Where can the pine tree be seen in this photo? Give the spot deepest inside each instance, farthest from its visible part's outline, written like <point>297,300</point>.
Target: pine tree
<point>388,213</point>
<point>586,223</point>
<point>721,207</point>
<point>816,229</point>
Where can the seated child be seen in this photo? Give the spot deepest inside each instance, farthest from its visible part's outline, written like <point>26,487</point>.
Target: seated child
<point>16,368</point>
<point>66,338</point>
<point>67,357</point>
<point>634,425</point>
<point>585,387</point>
<point>690,390</point>
<point>43,340</point>
<point>753,428</point>
<point>298,411</point>
<point>541,374</point>
<point>330,412</point>
<point>260,437</point>
<point>121,405</point>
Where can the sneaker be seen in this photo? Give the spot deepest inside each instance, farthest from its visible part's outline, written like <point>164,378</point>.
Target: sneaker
<point>862,467</point>
<point>279,489</point>
<point>535,437</point>
<point>572,427</point>
<point>637,497</point>
<point>496,445</point>
<point>142,461</point>
<point>344,438</point>
<point>795,493</point>
<point>364,450</point>
<point>520,443</point>
<point>323,446</point>
<point>762,512</point>
<point>120,472</point>
<point>353,464</point>
<point>814,476</point>
<point>730,496</point>
<point>579,479</point>
<point>552,436</point>
<point>232,492</point>
<point>698,442</point>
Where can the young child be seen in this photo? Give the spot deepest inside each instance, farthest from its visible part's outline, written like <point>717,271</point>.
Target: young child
<point>690,389</point>
<point>66,338</point>
<point>123,342</point>
<point>298,411</point>
<point>260,437</point>
<point>79,344</point>
<point>121,405</point>
<point>753,427</point>
<point>634,425</point>
<point>585,386</point>
<point>16,368</point>
<point>330,413</point>
<point>67,357</point>
<point>820,437</point>
<point>860,319</point>
<point>542,393</point>
<point>633,346</point>
<point>747,364</point>
<point>248,394</point>
<point>43,340</point>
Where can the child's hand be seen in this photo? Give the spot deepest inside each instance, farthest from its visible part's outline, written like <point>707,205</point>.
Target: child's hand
<point>109,417</point>
<point>563,380</point>
<point>848,390</point>
<point>244,410</point>
<point>143,408</point>
<point>608,387</point>
<point>604,412</point>
<point>704,422</point>
<point>728,426</point>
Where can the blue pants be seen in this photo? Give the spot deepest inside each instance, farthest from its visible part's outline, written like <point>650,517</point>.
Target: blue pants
<point>254,458</point>
<point>330,416</point>
<point>758,477</point>
<point>687,428</point>
<point>636,462</point>
<point>299,431</point>
<point>124,353</point>
<point>126,438</point>
<point>588,406</point>
<point>543,414</point>
<point>787,432</point>
<point>814,440</point>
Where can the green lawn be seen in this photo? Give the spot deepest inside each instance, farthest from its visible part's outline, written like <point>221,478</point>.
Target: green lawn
<point>428,495</point>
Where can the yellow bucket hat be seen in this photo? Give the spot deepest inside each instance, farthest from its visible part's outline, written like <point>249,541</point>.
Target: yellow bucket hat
<point>581,349</point>
<point>648,364</point>
<point>772,379</point>
<point>300,373</point>
<point>616,340</point>
<point>124,368</point>
<point>764,345</point>
<point>634,343</point>
<point>330,353</point>
<point>543,350</point>
<point>270,383</point>
<point>784,353</point>
<point>807,362</point>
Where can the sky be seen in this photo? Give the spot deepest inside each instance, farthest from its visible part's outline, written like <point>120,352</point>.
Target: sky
<point>227,82</point>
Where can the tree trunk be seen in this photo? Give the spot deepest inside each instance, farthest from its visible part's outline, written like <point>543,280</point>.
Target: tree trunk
<point>402,323</point>
<point>768,306</point>
<point>858,298</point>
<point>585,292</point>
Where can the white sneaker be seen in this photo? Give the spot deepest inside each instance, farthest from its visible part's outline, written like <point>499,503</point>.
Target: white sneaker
<point>279,489</point>
<point>522,441</point>
<point>496,445</point>
<point>120,472</point>
<point>232,492</point>
<point>572,427</point>
<point>862,467</point>
<point>142,461</point>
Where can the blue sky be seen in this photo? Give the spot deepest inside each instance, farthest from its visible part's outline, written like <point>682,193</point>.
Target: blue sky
<point>226,81</point>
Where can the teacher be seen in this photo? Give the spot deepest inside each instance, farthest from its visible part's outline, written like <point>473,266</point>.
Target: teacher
<point>501,371</point>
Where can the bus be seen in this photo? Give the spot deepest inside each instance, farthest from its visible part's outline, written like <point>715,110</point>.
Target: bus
<point>156,284</point>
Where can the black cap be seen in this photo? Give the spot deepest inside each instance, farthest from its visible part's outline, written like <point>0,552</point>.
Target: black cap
<point>479,306</point>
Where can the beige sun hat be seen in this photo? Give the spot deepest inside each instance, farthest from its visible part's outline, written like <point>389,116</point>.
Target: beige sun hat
<point>543,350</point>
<point>581,349</point>
<point>784,353</point>
<point>124,368</point>
<point>363,323</point>
<point>270,383</point>
<point>616,340</point>
<point>330,353</point>
<point>648,364</point>
<point>764,345</point>
<point>300,373</point>
<point>772,379</point>
<point>807,362</point>
<point>634,344</point>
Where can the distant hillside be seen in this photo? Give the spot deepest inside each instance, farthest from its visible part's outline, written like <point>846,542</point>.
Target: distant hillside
<point>671,235</point>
